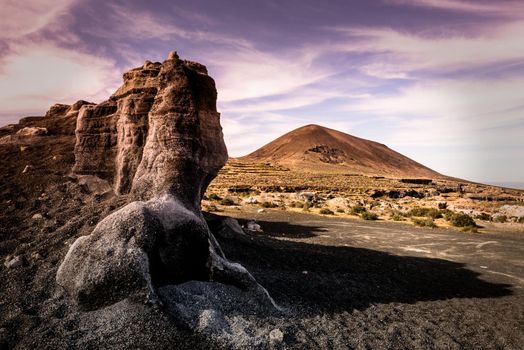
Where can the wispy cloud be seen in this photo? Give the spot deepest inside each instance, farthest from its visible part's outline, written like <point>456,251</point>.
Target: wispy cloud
<point>122,25</point>
<point>510,8</point>
<point>248,74</point>
<point>242,71</point>
<point>39,67</point>
<point>457,127</point>
<point>35,76</point>
<point>445,111</point>
<point>20,18</point>
<point>400,53</point>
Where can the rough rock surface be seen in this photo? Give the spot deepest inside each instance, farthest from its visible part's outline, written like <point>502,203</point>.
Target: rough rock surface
<point>59,109</point>
<point>212,309</point>
<point>223,227</point>
<point>32,131</point>
<point>158,136</point>
<point>158,133</point>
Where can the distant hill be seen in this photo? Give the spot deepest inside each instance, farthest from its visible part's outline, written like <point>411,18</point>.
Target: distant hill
<point>319,149</point>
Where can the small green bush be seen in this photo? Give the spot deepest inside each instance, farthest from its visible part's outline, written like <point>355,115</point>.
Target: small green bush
<point>269,205</point>
<point>369,216</point>
<point>435,213</point>
<point>447,214</point>
<point>214,197</point>
<point>425,212</point>
<point>500,218</point>
<point>397,217</point>
<point>357,209</point>
<point>326,211</point>
<point>227,201</point>
<point>340,210</point>
<point>462,220</point>
<point>521,220</point>
<point>374,204</point>
<point>424,223</point>
<point>418,212</point>
<point>211,208</point>
<point>483,216</point>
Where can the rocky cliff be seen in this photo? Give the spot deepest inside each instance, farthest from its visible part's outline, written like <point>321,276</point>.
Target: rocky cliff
<point>159,138</point>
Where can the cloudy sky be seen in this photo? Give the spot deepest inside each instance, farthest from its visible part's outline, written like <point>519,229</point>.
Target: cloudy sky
<point>441,81</point>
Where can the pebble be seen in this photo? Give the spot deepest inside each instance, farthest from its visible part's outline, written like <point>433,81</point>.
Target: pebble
<point>36,256</point>
<point>14,262</point>
<point>261,211</point>
<point>253,226</point>
<point>38,216</point>
<point>276,335</point>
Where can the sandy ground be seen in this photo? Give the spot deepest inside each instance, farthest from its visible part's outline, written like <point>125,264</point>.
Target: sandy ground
<point>358,284</point>
<point>344,283</point>
<point>499,253</point>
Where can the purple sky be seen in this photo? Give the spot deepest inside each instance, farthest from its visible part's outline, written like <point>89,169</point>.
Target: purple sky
<point>441,81</point>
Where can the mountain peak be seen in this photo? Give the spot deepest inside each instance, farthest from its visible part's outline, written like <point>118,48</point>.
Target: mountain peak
<point>311,127</point>
<point>320,149</point>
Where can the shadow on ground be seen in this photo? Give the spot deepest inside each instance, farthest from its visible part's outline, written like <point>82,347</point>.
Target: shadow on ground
<point>287,230</point>
<point>316,278</point>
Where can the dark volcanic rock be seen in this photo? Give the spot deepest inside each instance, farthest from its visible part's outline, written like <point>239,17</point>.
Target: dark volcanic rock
<point>328,154</point>
<point>60,119</point>
<point>107,265</point>
<point>223,227</point>
<point>57,109</point>
<point>158,136</point>
<point>417,181</point>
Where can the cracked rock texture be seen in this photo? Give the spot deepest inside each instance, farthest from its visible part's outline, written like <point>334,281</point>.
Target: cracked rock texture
<point>158,133</point>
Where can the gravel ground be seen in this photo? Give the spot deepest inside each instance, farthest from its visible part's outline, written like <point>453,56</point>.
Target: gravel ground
<point>343,284</point>
<point>358,284</point>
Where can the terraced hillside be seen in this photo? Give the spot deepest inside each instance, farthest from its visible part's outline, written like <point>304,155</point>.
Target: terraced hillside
<point>243,176</point>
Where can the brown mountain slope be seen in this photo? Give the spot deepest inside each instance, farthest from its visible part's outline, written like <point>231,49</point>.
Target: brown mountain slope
<point>319,149</point>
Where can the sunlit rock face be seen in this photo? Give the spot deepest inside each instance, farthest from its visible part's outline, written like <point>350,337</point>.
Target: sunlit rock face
<point>158,138</point>
<point>159,133</point>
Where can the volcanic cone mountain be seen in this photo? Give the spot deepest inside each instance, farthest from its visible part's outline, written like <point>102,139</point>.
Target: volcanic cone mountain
<point>319,149</point>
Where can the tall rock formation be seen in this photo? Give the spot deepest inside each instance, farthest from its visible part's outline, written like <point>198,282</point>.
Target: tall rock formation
<point>158,137</point>
<point>158,133</point>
